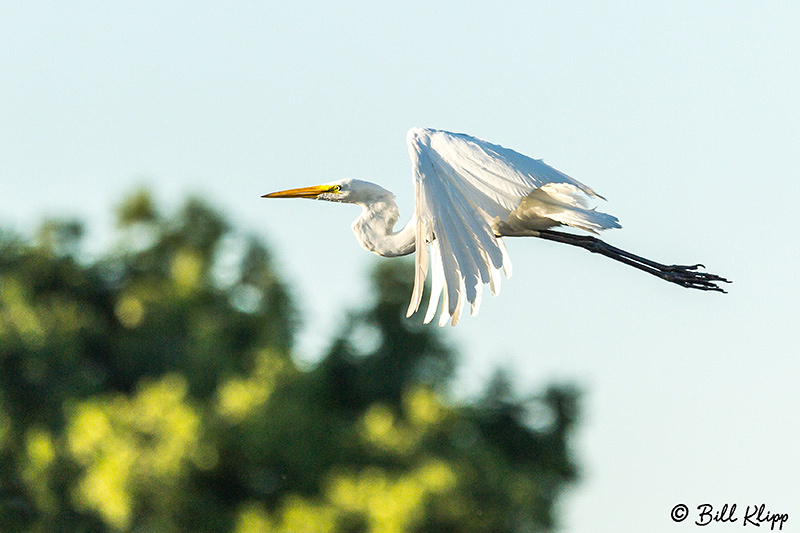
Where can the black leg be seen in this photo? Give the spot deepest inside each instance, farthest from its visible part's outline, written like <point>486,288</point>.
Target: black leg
<point>684,275</point>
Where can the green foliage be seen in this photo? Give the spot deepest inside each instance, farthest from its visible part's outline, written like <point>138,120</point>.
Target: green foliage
<point>154,390</point>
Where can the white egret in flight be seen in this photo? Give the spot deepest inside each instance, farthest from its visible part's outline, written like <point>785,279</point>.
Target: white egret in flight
<point>469,194</point>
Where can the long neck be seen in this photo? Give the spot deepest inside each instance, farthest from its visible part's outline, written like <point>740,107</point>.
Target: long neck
<point>374,229</point>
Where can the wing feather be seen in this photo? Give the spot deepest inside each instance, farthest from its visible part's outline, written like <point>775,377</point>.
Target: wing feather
<point>464,187</point>
<point>437,283</point>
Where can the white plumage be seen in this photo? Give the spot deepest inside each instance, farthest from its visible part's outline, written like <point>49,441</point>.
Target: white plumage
<point>469,193</point>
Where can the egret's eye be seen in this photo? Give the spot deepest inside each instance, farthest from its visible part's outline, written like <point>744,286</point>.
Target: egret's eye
<point>337,188</point>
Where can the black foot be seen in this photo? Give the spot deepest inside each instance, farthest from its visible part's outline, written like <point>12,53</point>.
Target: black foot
<point>688,276</point>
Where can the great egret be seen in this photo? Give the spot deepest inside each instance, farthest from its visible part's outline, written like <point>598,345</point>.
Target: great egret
<point>469,194</point>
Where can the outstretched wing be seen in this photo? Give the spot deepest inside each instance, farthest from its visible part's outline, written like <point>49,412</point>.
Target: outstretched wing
<point>464,188</point>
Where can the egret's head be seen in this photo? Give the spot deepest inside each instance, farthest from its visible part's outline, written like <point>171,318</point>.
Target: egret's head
<point>350,191</point>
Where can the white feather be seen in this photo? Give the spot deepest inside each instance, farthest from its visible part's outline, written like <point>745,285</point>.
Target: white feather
<point>469,191</point>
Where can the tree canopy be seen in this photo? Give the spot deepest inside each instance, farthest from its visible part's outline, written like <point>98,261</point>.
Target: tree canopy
<point>154,389</point>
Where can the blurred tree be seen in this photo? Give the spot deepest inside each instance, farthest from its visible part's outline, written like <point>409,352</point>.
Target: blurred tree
<point>154,390</point>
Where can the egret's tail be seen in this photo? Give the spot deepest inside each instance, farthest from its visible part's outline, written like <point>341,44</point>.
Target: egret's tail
<point>563,203</point>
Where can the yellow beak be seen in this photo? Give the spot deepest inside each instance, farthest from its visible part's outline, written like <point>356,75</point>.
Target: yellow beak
<point>302,192</point>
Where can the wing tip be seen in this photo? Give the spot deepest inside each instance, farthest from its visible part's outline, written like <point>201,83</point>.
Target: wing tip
<point>417,134</point>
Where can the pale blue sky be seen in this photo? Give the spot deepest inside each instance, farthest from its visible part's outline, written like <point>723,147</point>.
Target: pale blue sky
<point>684,115</point>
